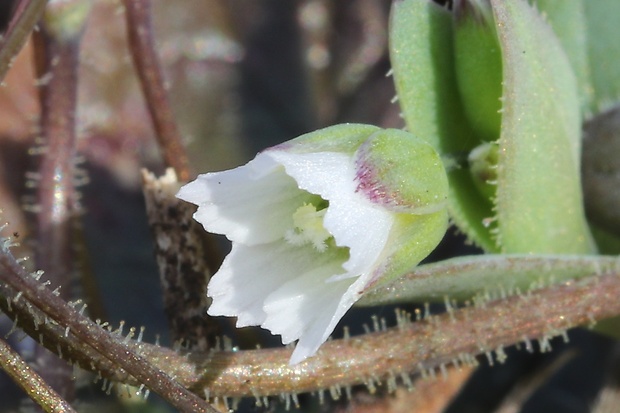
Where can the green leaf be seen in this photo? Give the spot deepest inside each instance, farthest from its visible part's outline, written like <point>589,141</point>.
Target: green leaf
<point>603,31</point>
<point>465,277</point>
<point>421,52</point>
<point>539,200</point>
<point>478,63</point>
<point>588,30</point>
<point>568,20</point>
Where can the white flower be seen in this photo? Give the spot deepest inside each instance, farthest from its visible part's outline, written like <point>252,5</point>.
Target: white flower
<point>311,226</point>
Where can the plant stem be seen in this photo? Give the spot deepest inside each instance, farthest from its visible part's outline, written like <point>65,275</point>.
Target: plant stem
<point>412,347</point>
<point>57,44</point>
<point>454,337</point>
<point>38,390</point>
<point>36,323</point>
<point>148,68</point>
<point>85,330</point>
<point>181,252</point>
<point>56,198</point>
<point>462,278</point>
<point>27,14</point>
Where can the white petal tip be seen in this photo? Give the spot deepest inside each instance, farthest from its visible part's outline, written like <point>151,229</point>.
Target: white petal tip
<point>302,353</point>
<point>297,358</point>
<point>191,192</point>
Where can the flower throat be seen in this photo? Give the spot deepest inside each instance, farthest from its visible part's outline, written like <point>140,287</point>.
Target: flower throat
<point>308,225</point>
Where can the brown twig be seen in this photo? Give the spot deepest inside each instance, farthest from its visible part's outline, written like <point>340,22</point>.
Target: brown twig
<point>513,402</point>
<point>27,14</point>
<point>148,67</point>
<point>31,382</point>
<point>434,396</point>
<point>423,396</point>
<point>183,268</point>
<point>18,279</point>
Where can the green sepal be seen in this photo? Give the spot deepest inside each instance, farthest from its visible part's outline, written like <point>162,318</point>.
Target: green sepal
<point>413,238</point>
<point>401,172</point>
<point>344,138</point>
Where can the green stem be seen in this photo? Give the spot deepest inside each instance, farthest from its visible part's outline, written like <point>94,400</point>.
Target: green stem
<point>465,277</point>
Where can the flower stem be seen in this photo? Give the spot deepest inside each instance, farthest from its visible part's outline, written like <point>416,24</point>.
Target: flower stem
<point>57,58</point>
<point>38,390</point>
<point>412,347</point>
<point>26,15</point>
<point>149,70</point>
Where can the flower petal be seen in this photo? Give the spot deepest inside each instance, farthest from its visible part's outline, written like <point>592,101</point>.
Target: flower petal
<point>353,220</point>
<point>308,308</point>
<point>251,204</point>
<point>293,305</point>
<point>250,274</point>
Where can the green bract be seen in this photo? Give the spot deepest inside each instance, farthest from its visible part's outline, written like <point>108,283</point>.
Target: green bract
<point>588,31</point>
<point>421,51</point>
<point>536,206</point>
<point>478,63</point>
<point>539,199</point>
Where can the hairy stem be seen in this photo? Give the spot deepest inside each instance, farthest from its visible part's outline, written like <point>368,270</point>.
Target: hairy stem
<point>57,67</point>
<point>38,390</point>
<point>55,338</point>
<point>454,337</point>
<point>148,67</point>
<point>26,15</point>
<point>412,347</point>
<point>118,351</point>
